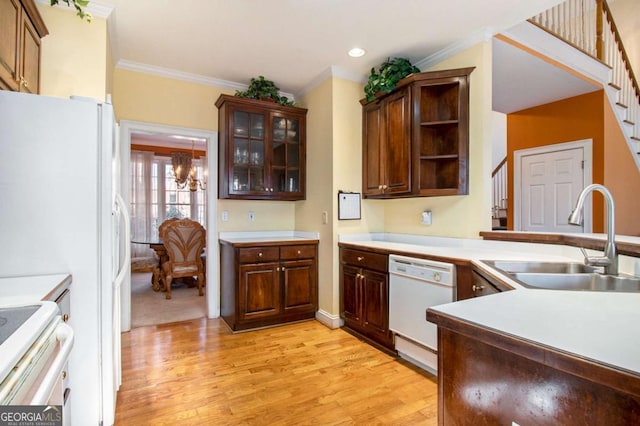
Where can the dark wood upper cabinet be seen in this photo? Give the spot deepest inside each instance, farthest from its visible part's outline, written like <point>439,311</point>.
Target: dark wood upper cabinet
<point>21,28</point>
<point>387,145</point>
<point>261,150</point>
<point>416,138</point>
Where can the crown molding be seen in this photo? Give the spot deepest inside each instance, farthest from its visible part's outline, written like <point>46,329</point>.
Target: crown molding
<point>481,36</point>
<point>185,76</point>
<point>96,10</point>
<point>329,72</point>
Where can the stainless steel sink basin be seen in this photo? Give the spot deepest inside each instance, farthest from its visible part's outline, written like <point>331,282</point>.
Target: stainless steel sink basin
<point>583,281</point>
<point>517,266</point>
<point>564,276</point>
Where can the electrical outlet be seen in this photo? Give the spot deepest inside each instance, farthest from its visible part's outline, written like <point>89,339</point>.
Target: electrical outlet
<point>225,215</point>
<point>426,217</point>
<point>325,218</point>
<point>252,217</point>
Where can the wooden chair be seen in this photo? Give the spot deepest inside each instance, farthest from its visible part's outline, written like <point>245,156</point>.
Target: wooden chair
<point>184,241</point>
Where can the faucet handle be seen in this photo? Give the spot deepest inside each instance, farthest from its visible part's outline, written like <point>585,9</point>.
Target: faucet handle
<point>595,260</point>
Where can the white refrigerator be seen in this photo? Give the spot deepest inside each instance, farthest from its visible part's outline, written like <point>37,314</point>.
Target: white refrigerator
<point>59,213</point>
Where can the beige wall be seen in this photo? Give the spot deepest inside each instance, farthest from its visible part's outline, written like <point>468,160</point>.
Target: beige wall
<point>154,99</point>
<point>74,55</point>
<point>458,216</point>
<point>308,213</point>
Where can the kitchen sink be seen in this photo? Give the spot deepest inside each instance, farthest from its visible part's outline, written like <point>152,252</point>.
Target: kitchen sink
<point>576,281</point>
<point>564,276</point>
<point>517,266</point>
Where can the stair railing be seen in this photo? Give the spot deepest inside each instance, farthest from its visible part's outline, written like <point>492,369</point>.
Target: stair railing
<point>499,194</point>
<point>588,25</point>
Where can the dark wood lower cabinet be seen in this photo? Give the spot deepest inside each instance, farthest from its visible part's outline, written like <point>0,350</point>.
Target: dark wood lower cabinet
<point>364,295</point>
<point>267,284</point>
<point>490,379</point>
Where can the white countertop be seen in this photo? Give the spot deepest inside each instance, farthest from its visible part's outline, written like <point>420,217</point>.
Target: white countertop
<point>267,236</point>
<point>23,290</point>
<point>601,326</point>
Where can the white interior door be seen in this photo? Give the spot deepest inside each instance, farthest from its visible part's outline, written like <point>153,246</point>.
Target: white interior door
<point>550,181</point>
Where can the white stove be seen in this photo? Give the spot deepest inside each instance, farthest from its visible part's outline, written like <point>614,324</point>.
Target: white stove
<point>34,348</point>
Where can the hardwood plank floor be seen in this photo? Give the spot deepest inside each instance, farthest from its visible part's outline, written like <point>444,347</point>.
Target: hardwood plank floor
<point>199,373</point>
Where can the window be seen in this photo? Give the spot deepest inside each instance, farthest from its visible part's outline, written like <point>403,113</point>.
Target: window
<point>155,197</point>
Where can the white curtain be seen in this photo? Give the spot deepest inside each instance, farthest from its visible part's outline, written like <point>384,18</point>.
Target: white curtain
<point>142,226</point>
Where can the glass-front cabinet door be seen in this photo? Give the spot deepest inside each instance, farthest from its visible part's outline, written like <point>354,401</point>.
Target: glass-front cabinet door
<point>261,148</point>
<point>285,156</point>
<point>248,150</point>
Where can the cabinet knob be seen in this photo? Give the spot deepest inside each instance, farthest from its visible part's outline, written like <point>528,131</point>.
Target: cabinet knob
<point>24,82</point>
<point>436,276</point>
<point>477,287</point>
<point>360,258</point>
<point>384,187</point>
<point>65,317</point>
<point>260,254</point>
<point>282,269</point>
<point>379,186</point>
<point>64,375</point>
<point>299,252</point>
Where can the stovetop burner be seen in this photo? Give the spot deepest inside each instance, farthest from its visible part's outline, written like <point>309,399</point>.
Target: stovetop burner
<point>12,318</point>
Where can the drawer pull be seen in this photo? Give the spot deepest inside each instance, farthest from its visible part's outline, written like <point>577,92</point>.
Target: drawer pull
<point>477,287</point>
<point>360,258</point>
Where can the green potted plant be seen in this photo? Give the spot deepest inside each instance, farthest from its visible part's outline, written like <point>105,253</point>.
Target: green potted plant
<point>260,88</point>
<point>79,6</point>
<point>388,75</point>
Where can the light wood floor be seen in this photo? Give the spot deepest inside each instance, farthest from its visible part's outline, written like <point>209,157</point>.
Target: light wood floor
<point>199,373</point>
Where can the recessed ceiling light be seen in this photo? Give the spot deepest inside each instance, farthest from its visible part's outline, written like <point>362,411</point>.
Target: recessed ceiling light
<point>356,52</point>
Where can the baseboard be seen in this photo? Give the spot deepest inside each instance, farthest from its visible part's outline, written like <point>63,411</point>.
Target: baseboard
<point>331,321</point>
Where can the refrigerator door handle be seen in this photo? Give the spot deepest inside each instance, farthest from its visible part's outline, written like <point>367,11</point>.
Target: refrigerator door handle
<point>127,237</point>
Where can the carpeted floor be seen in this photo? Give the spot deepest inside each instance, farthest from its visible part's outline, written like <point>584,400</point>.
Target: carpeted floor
<point>149,307</point>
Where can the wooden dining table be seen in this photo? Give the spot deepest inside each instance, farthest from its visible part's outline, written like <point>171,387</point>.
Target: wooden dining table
<point>158,247</point>
<point>163,256</point>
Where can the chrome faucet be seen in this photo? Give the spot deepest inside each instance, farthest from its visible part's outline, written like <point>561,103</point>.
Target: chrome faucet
<point>610,259</point>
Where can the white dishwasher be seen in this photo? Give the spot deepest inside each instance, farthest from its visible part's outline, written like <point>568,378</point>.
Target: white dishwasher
<point>415,285</point>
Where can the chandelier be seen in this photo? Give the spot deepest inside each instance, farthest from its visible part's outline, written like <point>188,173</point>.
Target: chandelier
<point>185,172</point>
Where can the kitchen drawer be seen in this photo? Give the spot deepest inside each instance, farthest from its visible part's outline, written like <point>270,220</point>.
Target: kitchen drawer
<point>297,252</point>
<point>258,254</point>
<point>365,259</point>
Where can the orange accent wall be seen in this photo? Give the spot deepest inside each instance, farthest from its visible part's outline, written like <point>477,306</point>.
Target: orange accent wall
<point>621,176</point>
<point>568,120</point>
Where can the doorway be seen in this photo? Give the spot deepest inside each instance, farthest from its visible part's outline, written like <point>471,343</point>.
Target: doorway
<point>127,130</point>
<point>547,182</point>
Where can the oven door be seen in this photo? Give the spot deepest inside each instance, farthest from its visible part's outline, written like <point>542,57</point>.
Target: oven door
<point>37,378</point>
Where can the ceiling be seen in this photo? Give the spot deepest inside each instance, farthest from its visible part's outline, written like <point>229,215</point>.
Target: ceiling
<point>295,42</point>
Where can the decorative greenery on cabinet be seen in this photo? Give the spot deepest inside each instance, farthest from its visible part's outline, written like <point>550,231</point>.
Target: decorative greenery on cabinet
<point>79,5</point>
<point>262,89</point>
<point>388,75</point>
